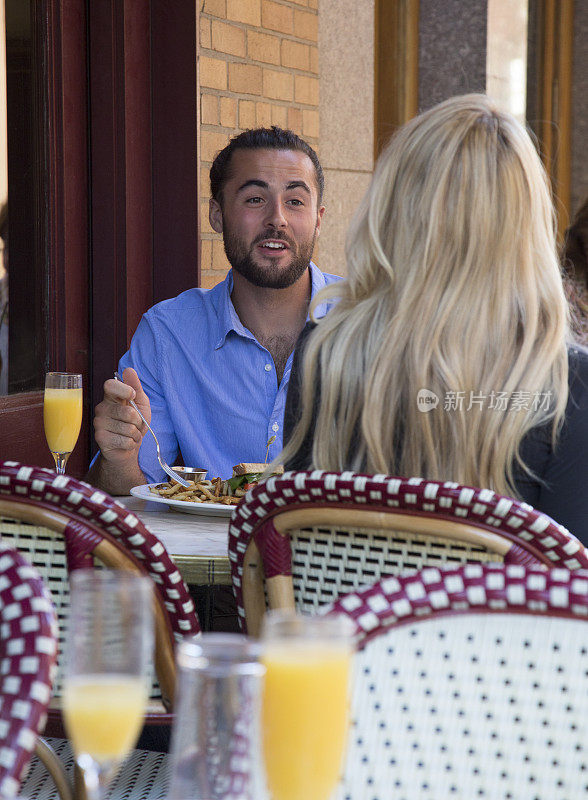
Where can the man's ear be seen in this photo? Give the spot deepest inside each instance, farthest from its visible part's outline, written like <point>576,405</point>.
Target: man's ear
<point>319,219</point>
<point>215,215</point>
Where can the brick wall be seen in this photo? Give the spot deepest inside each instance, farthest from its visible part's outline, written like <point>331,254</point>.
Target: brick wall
<point>258,66</point>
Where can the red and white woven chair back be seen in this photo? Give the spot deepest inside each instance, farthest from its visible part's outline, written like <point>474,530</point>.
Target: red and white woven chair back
<point>471,682</point>
<point>28,655</point>
<point>93,516</point>
<point>331,558</point>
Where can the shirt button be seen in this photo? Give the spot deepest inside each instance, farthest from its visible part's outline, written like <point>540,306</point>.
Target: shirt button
<point>275,427</point>
<point>268,367</point>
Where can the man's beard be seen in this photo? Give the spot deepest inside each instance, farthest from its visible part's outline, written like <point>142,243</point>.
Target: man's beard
<point>267,276</point>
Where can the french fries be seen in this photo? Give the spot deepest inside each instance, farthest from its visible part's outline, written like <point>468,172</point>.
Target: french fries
<point>209,491</point>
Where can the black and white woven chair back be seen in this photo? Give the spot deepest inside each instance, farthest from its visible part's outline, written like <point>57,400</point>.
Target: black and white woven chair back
<point>330,561</point>
<point>471,682</point>
<point>144,776</point>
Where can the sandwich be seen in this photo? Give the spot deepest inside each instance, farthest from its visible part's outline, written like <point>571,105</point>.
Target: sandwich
<point>247,474</point>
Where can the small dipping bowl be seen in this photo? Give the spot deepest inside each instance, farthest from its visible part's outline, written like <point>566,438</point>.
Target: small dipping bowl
<point>191,473</point>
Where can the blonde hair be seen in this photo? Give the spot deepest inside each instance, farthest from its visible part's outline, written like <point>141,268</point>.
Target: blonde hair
<point>453,286</point>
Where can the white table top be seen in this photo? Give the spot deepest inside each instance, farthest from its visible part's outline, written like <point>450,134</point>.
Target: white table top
<point>193,541</point>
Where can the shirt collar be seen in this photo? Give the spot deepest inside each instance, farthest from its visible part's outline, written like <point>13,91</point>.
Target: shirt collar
<point>226,315</point>
<point>317,282</point>
<point>228,319</point>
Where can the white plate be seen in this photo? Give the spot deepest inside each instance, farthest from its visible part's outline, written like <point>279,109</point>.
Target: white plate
<point>207,509</point>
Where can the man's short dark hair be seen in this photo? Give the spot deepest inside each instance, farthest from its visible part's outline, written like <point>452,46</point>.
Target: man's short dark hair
<point>273,138</point>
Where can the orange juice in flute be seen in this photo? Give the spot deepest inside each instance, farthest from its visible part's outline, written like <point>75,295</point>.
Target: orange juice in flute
<point>104,714</point>
<point>305,704</point>
<point>62,414</point>
<point>105,686</point>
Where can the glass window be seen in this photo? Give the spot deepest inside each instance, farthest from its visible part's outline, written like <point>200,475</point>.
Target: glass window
<point>23,208</point>
<point>506,55</point>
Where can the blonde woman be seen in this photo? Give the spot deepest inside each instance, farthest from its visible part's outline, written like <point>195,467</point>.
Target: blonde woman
<point>446,354</point>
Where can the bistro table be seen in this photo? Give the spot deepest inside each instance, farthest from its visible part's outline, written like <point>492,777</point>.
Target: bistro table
<point>196,543</point>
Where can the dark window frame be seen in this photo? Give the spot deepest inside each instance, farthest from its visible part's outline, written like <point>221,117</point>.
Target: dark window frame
<point>396,67</point>
<point>60,47</point>
<point>549,95</point>
<point>122,192</point>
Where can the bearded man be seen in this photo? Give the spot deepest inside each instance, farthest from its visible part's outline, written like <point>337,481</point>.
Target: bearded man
<point>210,369</point>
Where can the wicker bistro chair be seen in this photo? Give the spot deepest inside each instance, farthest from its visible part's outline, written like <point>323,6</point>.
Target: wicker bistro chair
<point>469,681</point>
<point>304,538</point>
<point>62,524</point>
<point>28,659</point>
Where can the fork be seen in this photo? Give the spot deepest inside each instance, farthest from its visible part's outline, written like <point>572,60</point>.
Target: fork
<point>164,466</point>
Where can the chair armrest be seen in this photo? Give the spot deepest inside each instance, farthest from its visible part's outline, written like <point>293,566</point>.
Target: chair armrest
<point>51,762</point>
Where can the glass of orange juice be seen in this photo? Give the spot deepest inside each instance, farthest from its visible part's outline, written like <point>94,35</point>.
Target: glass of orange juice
<point>305,707</point>
<point>106,683</point>
<point>62,414</point>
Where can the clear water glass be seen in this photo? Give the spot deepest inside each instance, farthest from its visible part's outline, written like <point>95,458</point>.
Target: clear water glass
<point>216,744</point>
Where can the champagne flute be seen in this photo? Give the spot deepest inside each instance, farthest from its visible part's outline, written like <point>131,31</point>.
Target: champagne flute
<point>62,415</point>
<point>305,706</point>
<point>109,650</point>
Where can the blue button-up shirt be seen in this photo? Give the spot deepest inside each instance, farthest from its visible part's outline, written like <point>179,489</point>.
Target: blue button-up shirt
<point>212,386</point>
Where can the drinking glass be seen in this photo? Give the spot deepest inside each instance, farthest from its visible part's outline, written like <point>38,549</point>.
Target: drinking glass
<point>106,682</point>
<point>216,743</point>
<point>305,707</point>
<point>62,414</point>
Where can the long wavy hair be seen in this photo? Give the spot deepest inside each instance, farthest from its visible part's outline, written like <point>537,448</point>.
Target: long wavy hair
<point>454,287</point>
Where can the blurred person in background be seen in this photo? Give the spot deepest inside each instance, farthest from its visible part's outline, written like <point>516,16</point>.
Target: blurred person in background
<point>448,355</point>
<point>575,264</point>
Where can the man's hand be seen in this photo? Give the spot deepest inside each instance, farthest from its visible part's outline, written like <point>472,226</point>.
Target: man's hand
<point>119,431</point>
